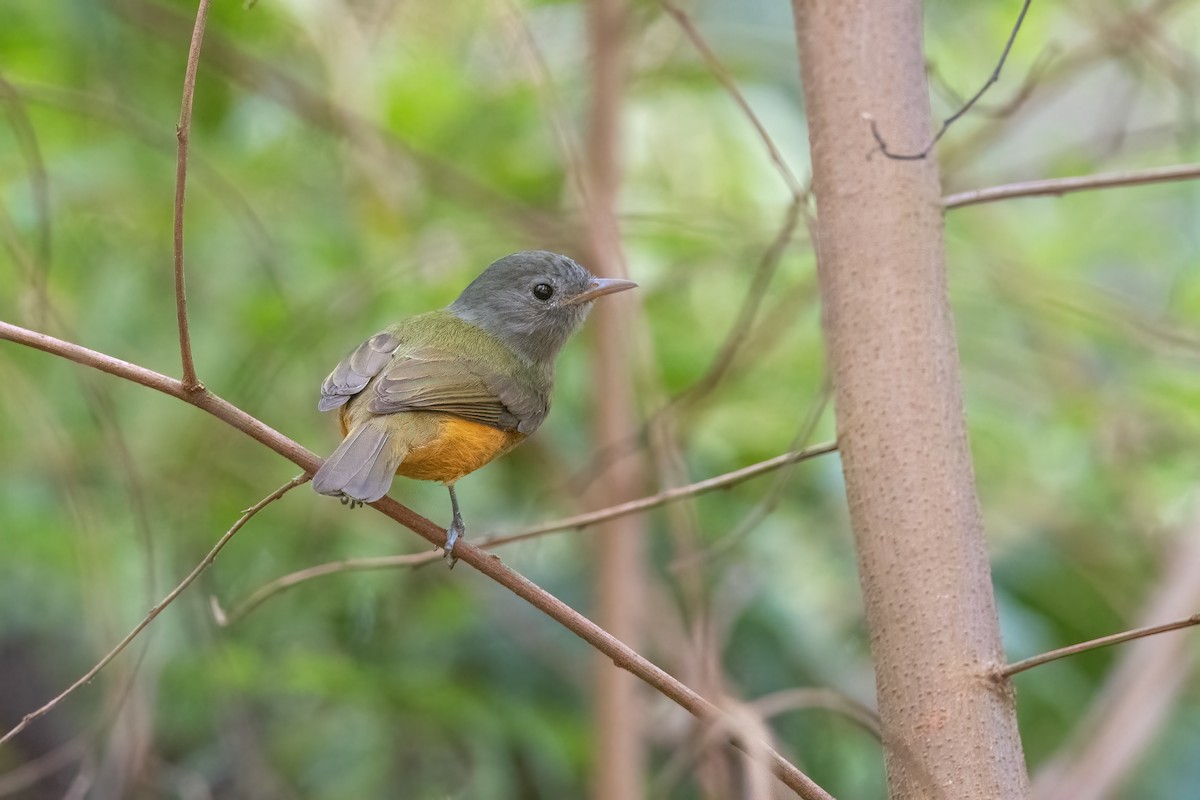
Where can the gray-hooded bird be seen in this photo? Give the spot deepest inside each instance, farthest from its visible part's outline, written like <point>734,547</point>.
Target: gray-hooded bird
<point>437,396</point>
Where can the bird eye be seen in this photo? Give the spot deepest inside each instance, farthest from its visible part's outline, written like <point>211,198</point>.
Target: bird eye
<point>543,291</point>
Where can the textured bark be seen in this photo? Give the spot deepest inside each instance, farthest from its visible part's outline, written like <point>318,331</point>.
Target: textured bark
<point>620,756</point>
<point>949,730</point>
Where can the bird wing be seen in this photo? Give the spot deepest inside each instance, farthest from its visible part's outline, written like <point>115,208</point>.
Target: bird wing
<point>356,370</point>
<point>426,378</point>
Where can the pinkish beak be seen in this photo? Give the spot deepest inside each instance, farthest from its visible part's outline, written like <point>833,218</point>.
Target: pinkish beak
<point>598,288</point>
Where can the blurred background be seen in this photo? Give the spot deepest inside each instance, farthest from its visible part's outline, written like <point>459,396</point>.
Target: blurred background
<point>354,162</point>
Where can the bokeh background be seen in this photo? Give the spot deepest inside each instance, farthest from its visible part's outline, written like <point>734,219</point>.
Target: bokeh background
<point>357,161</point>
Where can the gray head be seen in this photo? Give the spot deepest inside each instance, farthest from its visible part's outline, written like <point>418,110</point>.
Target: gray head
<point>533,301</point>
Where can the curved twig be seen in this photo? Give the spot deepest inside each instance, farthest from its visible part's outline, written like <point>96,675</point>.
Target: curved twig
<point>950,120</point>
<point>181,133</point>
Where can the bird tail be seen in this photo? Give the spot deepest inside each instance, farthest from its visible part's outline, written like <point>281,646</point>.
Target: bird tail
<point>362,467</point>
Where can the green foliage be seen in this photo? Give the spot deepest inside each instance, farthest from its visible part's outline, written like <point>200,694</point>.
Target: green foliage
<point>355,163</point>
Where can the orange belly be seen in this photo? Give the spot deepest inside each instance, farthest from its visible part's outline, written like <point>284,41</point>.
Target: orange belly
<point>460,447</point>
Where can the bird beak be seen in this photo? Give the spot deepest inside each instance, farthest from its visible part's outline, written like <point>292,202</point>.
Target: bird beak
<point>598,288</point>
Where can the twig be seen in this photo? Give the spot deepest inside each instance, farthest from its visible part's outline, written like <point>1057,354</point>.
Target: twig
<point>1103,641</point>
<point>274,83</point>
<point>156,610</point>
<point>950,120</point>
<point>181,133</point>
<point>764,509</point>
<point>667,496</point>
<point>718,70</point>
<point>159,137</point>
<point>1061,186</point>
<point>579,521</point>
<point>268,590</point>
<point>467,552</point>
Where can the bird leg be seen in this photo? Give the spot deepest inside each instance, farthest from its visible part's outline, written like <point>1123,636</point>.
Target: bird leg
<point>455,530</point>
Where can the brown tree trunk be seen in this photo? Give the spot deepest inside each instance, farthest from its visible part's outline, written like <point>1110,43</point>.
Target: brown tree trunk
<point>619,763</point>
<point>949,730</point>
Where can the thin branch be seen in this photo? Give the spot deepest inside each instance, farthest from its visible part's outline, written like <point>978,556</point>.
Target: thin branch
<point>1060,186</point>
<point>159,137</point>
<point>278,84</point>
<point>995,76</point>
<point>769,503</point>
<point>268,590</point>
<point>667,496</point>
<point>579,521</point>
<point>182,133</point>
<point>490,565</point>
<point>1103,641</point>
<point>156,610</point>
<point>718,70</point>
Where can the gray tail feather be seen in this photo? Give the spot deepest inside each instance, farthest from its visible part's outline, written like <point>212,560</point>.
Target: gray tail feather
<point>362,467</point>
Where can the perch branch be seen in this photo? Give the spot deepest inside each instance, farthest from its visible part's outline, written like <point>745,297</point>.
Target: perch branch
<point>1061,186</point>
<point>490,565</point>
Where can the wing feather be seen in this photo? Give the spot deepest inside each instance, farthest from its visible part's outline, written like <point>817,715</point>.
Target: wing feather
<point>429,379</point>
<point>401,375</point>
<point>356,370</point>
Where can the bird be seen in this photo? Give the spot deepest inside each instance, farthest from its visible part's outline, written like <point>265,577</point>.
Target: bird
<point>439,395</point>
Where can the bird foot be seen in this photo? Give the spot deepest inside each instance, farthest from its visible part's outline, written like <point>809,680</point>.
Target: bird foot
<point>453,534</point>
<point>353,502</point>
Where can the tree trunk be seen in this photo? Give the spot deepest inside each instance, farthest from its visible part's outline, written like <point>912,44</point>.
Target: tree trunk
<point>949,729</point>
<point>619,764</point>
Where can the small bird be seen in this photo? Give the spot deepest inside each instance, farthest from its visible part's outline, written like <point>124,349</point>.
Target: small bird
<point>437,396</point>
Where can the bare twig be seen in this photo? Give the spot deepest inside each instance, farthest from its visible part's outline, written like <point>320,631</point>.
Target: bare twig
<point>1140,694</point>
<point>152,133</point>
<point>156,610</point>
<point>467,552</point>
<point>1082,183</point>
<point>182,133</point>
<point>950,120</point>
<point>578,521</point>
<point>668,495</point>
<point>275,83</point>
<point>718,70</point>
<point>769,503</point>
<point>1103,641</point>
<point>268,590</point>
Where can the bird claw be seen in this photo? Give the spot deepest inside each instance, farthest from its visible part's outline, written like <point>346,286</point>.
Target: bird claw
<point>350,501</point>
<point>453,534</point>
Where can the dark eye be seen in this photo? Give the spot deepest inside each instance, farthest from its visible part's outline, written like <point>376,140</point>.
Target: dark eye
<point>543,291</point>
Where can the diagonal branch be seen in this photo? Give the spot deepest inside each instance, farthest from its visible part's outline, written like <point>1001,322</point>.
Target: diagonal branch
<point>182,133</point>
<point>490,565</point>
<point>1103,641</point>
<point>156,610</point>
<point>995,76</point>
<point>1061,186</point>
<point>721,74</point>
